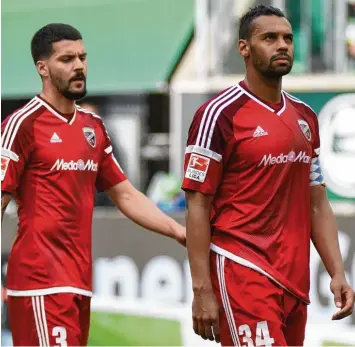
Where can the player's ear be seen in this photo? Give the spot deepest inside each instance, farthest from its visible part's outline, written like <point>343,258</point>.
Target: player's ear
<point>243,48</point>
<point>42,68</point>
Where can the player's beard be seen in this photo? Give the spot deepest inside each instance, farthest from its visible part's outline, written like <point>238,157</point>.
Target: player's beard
<point>267,69</point>
<point>64,87</point>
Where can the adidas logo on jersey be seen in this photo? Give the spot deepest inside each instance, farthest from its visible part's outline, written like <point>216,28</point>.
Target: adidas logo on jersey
<point>259,131</point>
<point>55,138</point>
<point>72,165</point>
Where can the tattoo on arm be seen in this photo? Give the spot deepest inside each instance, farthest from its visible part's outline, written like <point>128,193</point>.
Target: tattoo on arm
<point>5,199</point>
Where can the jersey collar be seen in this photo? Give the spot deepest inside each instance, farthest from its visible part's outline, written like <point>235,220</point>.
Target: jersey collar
<point>67,118</point>
<point>278,109</point>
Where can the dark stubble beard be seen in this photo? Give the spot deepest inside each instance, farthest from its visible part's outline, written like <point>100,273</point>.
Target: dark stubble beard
<point>64,87</point>
<point>266,69</point>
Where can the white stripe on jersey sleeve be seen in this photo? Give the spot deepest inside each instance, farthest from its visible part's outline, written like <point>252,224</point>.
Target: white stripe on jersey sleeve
<point>13,136</point>
<point>108,150</point>
<point>223,106</point>
<point>9,154</point>
<point>211,110</point>
<point>204,151</point>
<point>10,129</point>
<point>116,162</point>
<point>206,114</point>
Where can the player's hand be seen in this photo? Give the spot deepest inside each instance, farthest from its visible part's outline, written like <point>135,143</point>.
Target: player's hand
<point>3,294</point>
<point>180,235</point>
<point>343,297</point>
<point>205,315</point>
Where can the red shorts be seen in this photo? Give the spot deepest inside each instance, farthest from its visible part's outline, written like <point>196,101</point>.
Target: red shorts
<point>256,311</point>
<point>49,320</point>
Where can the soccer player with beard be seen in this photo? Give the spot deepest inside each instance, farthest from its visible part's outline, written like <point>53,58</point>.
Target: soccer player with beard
<point>256,199</point>
<point>53,156</point>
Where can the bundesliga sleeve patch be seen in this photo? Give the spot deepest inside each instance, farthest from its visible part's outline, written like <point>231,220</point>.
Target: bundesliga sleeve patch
<point>4,165</point>
<point>197,168</point>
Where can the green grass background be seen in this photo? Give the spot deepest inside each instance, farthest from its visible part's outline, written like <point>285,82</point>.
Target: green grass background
<point>117,329</point>
<point>112,329</point>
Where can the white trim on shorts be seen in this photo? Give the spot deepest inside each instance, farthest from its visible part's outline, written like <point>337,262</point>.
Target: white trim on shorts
<point>48,291</point>
<point>225,300</point>
<point>40,320</point>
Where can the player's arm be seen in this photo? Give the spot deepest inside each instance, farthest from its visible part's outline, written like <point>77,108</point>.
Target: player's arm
<point>140,209</point>
<point>17,146</point>
<point>198,239</point>
<point>131,202</point>
<point>205,307</point>
<point>325,239</point>
<point>325,233</point>
<point>204,157</point>
<point>5,199</point>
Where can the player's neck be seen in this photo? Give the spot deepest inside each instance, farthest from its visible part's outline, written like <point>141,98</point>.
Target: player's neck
<point>58,101</point>
<point>266,89</point>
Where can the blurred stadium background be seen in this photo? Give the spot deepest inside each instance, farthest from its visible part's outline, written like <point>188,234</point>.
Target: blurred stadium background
<point>151,64</point>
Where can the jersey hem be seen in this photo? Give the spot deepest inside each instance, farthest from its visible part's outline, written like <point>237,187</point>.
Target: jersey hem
<point>249,264</point>
<point>48,291</point>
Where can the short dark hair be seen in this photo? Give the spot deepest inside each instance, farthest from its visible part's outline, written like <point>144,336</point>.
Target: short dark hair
<point>42,40</point>
<point>245,23</point>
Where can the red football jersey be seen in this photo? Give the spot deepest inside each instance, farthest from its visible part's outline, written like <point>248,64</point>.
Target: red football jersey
<point>52,163</point>
<point>255,159</point>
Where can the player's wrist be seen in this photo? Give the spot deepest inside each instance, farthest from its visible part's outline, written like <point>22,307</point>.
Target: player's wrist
<point>178,233</point>
<point>202,286</point>
<point>340,274</point>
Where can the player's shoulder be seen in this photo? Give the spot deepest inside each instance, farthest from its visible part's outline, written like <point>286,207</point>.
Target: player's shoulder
<point>24,116</point>
<point>226,103</point>
<point>300,105</point>
<point>93,116</point>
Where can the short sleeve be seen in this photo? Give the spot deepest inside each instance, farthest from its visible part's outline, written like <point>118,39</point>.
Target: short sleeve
<point>316,176</point>
<point>110,172</point>
<point>315,137</point>
<point>204,154</point>
<point>16,147</point>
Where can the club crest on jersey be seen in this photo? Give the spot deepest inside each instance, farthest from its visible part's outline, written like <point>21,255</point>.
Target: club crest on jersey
<point>197,167</point>
<point>305,129</point>
<point>90,136</point>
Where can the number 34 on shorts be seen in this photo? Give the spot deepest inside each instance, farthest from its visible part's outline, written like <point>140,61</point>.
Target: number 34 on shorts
<point>259,337</point>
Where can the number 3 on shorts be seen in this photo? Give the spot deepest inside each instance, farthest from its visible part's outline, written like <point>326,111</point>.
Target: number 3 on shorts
<point>61,336</point>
